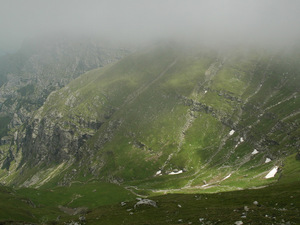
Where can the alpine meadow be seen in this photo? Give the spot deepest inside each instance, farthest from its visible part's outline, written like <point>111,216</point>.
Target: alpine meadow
<point>150,113</point>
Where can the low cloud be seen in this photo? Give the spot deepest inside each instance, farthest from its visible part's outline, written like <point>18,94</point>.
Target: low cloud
<point>215,22</point>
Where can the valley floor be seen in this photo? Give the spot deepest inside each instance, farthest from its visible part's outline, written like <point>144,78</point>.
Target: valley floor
<point>101,203</point>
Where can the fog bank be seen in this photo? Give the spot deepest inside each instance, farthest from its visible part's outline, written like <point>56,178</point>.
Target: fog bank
<point>223,22</point>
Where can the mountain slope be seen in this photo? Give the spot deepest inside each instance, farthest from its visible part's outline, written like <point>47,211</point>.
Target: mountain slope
<point>41,66</point>
<point>165,119</point>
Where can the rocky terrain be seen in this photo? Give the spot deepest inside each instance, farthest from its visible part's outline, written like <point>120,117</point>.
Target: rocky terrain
<point>166,119</point>
<point>164,110</point>
<point>41,66</point>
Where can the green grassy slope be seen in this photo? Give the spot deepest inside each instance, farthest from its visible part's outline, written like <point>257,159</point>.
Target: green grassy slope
<point>167,109</point>
<point>57,204</point>
<point>163,120</point>
<point>100,203</point>
<point>277,204</point>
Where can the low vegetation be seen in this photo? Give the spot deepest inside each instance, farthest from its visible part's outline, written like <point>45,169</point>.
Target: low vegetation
<point>195,132</point>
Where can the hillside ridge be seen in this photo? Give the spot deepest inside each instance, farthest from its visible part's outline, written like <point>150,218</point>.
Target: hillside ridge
<point>165,118</point>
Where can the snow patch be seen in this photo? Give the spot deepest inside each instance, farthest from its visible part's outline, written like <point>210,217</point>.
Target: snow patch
<point>226,177</point>
<point>268,160</point>
<point>231,132</point>
<point>176,172</point>
<point>158,173</point>
<point>255,152</point>
<point>272,173</point>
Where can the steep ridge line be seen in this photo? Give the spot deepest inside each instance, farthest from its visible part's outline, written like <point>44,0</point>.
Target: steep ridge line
<point>247,158</point>
<point>240,112</point>
<point>209,74</point>
<point>224,139</point>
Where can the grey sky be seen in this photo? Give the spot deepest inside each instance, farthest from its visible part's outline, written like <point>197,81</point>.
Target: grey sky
<point>209,21</point>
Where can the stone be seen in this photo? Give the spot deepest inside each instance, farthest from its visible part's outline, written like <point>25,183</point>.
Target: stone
<point>82,218</point>
<point>145,202</point>
<point>123,203</point>
<point>238,222</point>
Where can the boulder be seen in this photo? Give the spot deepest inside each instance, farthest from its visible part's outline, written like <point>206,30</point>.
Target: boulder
<point>145,202</point>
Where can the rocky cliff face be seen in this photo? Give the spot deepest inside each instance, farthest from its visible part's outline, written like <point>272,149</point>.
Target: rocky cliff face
<point>161,114</point>
<point>42,66</point>
<point>27,78</point>
<point>50,141</point>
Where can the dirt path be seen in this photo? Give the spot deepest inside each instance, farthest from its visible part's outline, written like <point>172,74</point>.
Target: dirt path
<point>132,188</point>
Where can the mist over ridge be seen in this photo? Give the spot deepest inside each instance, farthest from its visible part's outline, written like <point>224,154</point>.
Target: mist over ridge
<point>149,112</point>
<point>214,23</point>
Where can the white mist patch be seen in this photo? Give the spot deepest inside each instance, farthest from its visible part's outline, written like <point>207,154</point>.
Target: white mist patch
<point>268,160</point>
<point>272,173</point>
<point>231,132</point>
<point>176,172</point>
<point>255,152</point>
